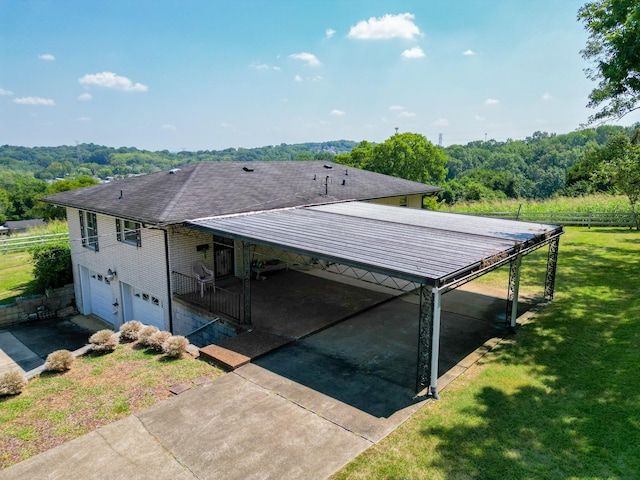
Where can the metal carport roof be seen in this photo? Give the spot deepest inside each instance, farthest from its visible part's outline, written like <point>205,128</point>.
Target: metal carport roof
<point>437,250</point>
<point>424,246</point>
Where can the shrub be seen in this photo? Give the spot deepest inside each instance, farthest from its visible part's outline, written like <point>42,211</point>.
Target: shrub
<point>145,333</point>
<point>12,383</point>
<point>59,361</point>
<point>157,340</point>
<point>175,346</point>
<point>51,265</point>
<point>129,330</point>
<point>103,341</point>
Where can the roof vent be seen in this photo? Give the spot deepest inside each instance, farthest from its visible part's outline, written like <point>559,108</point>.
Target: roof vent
<point>173,171</point>
<point>247,169</point>
<point>328,166</point>
<point>344,182</point>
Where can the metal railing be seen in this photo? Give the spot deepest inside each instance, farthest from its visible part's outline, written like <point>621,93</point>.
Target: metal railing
<point>580,219</point>
<point>212,298</point>
<point>18,244</point>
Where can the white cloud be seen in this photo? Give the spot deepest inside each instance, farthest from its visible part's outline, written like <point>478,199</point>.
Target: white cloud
<point>168,126</point>
<point>491,101</point>
<point>84,97</point>
<point>46,102</point>
<point>225,125</point>
<point>84,119</point>
<point>47,57</point>
<point>396,107</point>
<point>415,52</point>
<point>546,96</point>
<point>386,27</point>
<point>263,66</point>
<point>479,118</point>
<point>338,113</point>
<point>112,80</point>
<point>406,114</point>
<point>469,53</point>
<point>315,78</point>
<point>441,122</point>
<point>5,92</point>
<point>310,58</point>
<point>330,32</point>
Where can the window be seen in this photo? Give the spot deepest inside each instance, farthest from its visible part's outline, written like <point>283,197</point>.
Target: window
<point>89,230</point>
<point>128,232</point>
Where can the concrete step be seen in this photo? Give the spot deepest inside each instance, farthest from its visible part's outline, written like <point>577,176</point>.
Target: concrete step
<point>226,358</point>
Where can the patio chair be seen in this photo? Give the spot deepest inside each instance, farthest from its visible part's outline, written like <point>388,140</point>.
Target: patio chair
<point>204,276</point>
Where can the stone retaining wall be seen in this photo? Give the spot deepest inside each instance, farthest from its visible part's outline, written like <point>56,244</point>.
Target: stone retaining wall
<point>57,302</point>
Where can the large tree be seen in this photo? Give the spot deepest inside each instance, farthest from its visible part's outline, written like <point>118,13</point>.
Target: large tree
<point>406,155</point>
<point>613,49</point>
<point>623,169</point>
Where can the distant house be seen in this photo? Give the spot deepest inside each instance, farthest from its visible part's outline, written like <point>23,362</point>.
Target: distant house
<point>155,247</point>
<point>20,226</point>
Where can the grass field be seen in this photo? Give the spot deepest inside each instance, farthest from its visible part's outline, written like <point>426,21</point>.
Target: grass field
<point>561,400</point>
<point>16,271</point>
<point>16,274</point>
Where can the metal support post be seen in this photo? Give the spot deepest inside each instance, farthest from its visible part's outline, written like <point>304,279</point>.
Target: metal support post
<point>435,343</point>
<point>246,281</point>
<point>425,330</point>
<point>429,340</point>
<point>552,263</point>
<point>512,296</point>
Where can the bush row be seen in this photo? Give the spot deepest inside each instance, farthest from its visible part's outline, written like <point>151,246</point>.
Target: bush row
<point>103,341</point>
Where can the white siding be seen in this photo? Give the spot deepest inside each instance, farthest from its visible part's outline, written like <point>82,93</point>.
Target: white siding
<point>142,267</point>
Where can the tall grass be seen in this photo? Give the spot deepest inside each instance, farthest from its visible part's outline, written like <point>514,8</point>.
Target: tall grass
<point>589,203</point>
<point>54,226</point>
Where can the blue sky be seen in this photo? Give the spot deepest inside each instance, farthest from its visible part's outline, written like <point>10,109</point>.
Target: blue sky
<point>201,75</point>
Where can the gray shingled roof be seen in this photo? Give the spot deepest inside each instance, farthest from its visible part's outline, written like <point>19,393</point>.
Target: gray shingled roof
<point>219,188</point>
<point>418,245</point>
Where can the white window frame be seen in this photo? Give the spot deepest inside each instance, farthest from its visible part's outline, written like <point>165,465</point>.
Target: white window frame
<point>129,232</point>
<point>89,230</point>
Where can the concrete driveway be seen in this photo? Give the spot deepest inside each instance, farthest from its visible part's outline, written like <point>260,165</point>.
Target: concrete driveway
<point>303,411</point>
<point>24,347</point>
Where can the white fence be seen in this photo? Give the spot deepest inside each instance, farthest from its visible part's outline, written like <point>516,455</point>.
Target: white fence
<point>17,244</point>
<point>581,219</point>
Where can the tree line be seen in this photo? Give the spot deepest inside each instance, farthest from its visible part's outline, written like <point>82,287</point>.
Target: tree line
<point>540,166</point>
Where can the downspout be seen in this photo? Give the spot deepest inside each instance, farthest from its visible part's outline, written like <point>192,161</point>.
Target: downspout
<point>166,256</point>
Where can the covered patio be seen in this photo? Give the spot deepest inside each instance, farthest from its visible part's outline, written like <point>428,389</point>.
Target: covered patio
<point>428,252</point>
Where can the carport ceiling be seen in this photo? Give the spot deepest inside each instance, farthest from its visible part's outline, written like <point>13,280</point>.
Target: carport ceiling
<point>422,246</point>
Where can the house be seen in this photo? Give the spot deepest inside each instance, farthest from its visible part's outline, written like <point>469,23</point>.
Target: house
<point>159,247</point>
<point>19,226</point>
<point>129,236</point>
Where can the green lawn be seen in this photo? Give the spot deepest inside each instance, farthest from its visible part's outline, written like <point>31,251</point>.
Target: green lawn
<point>561,400</point>
<point>16,273</point>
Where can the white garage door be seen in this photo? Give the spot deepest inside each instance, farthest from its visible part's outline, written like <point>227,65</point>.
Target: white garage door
<point>100,297</point>
<point>142,306</point>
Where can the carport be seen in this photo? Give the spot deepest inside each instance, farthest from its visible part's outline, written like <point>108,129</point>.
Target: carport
<point>427,251</point>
